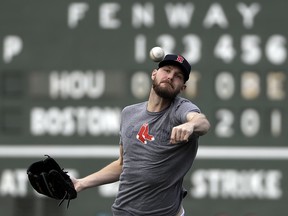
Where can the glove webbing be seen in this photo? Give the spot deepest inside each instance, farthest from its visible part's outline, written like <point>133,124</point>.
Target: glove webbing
<point>68,202</point>
<point>48,188</point>
<point>46,183</point>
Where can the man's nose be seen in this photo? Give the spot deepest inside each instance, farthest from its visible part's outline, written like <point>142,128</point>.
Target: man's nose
<point>170,76</point>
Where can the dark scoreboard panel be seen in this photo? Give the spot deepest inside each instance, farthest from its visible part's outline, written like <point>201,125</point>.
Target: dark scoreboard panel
<point>67,68</point>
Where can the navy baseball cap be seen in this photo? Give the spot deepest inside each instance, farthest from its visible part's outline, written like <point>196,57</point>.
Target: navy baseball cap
<point>177,60</point>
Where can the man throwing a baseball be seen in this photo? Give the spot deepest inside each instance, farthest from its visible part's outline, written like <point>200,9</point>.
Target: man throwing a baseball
<point>158,144</point>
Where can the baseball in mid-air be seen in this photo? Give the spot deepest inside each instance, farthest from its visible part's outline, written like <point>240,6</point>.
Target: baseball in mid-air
<point>157,54</point>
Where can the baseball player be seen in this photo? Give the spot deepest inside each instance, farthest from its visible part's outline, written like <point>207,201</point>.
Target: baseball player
<point>158,144</point>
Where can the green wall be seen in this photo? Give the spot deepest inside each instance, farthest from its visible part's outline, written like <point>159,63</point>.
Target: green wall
<point>68,68</point>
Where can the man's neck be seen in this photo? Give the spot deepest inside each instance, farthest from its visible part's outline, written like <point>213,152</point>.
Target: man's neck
<point>157,103</point>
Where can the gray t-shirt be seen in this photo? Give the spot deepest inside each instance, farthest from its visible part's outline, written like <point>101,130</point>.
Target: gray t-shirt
<point>153,169</point>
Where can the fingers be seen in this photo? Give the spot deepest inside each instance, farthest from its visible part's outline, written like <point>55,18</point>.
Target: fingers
<point>180,134</point>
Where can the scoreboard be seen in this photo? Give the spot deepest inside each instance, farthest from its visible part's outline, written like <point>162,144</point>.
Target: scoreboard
<point>68,68</point>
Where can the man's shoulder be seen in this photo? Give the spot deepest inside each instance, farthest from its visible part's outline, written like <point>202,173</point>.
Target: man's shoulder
<point>135,106</point>
<point>181,101</point>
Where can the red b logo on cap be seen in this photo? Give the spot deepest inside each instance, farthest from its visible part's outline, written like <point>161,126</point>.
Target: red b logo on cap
<point>180,59</point>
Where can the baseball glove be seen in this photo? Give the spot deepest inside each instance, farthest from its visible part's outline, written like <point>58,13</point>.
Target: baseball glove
<point>47,178</point>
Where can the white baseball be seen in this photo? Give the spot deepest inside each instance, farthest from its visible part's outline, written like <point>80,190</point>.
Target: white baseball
<point>157,54</point>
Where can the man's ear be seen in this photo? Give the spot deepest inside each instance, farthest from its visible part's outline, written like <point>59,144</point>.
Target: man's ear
<point>183,88</point>
<point>153,74</point>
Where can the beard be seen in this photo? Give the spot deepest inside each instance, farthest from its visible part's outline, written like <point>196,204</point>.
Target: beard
<point>164,92</point>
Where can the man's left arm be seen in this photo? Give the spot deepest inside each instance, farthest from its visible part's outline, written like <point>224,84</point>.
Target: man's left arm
<point>197,123</point>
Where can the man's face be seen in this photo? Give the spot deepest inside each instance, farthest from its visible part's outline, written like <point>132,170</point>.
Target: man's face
<point>168,81</point>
